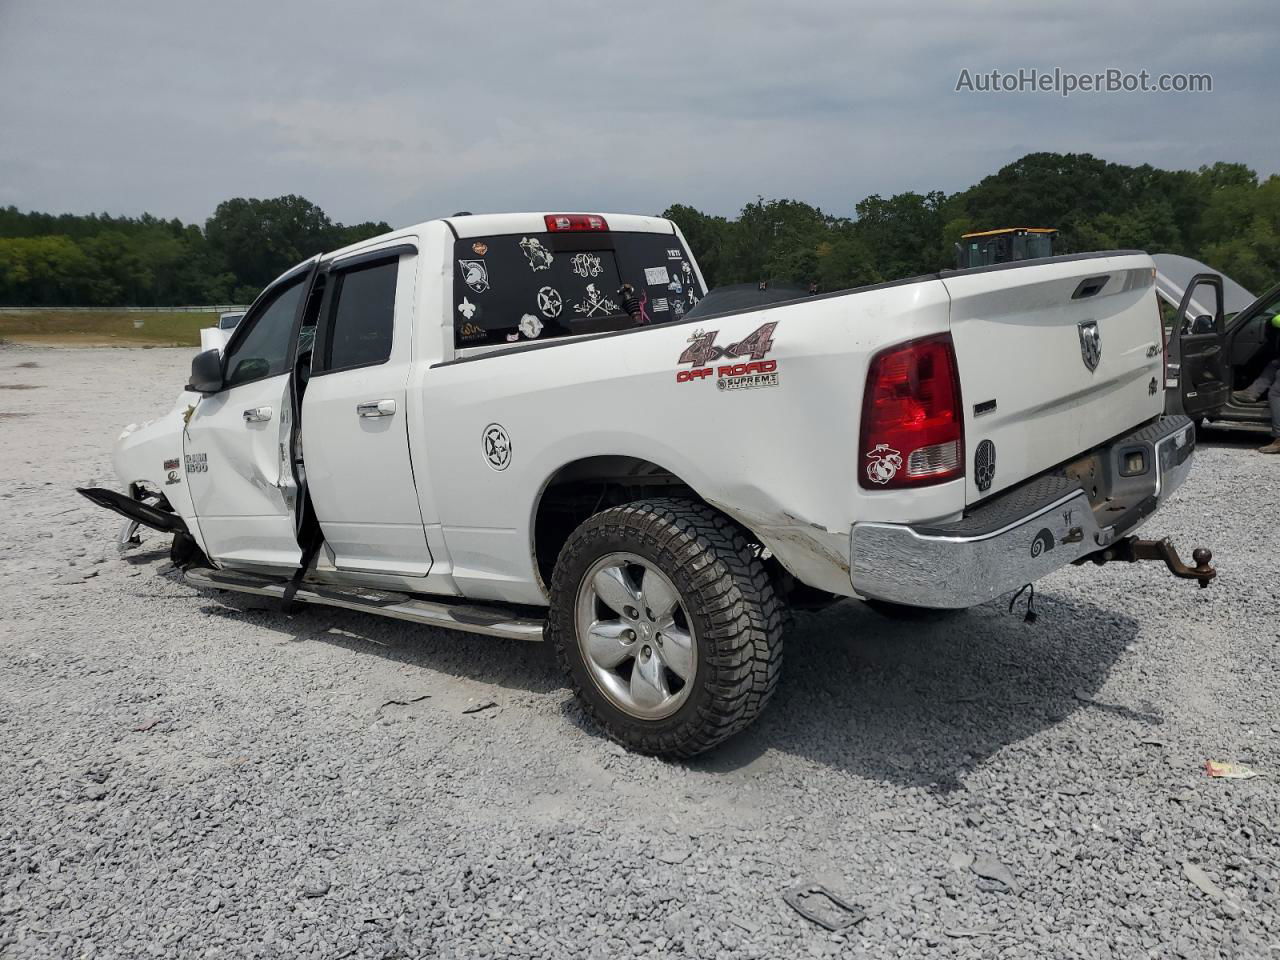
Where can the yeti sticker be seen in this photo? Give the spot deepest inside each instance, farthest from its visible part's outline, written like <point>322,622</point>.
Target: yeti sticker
<point>885,463</point>
<point>539,257</point>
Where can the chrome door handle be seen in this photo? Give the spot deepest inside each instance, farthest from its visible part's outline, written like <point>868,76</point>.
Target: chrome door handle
<point>257,414</point>
<point>376,408</point>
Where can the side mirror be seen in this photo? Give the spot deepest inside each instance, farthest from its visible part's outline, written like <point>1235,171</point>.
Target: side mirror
<point>206,372</point>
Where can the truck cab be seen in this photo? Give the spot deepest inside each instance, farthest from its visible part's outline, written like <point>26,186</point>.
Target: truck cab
<point>323,395</point>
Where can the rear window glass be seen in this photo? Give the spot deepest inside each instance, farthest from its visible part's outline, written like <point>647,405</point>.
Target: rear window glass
<point>519,287</point>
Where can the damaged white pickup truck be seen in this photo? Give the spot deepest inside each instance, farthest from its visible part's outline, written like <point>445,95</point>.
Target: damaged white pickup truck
<point>533,425</point>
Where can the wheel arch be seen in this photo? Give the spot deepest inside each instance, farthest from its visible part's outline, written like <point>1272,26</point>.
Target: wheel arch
<point>582,487</point>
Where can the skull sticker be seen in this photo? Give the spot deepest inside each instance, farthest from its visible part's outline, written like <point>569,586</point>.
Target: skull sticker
<point>549,302</point>
<point>596,303</point>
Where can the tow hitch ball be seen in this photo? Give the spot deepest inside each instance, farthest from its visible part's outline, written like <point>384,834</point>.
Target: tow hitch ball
<point>1131,550</point>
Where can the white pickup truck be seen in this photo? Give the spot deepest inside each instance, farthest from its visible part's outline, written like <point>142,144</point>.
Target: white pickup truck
<point>530,425</point>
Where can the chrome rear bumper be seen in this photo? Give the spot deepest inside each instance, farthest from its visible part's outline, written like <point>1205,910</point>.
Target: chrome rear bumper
<point>1015,538</point>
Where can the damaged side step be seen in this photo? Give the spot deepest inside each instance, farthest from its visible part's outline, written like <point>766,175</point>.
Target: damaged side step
<point>466,616</point>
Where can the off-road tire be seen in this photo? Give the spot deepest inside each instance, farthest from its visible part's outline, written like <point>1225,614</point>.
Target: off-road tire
<point>730,601</point>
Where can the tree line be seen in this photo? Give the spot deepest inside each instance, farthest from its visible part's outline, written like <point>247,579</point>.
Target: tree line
<point>101,260</point>
<point>1221,214</point>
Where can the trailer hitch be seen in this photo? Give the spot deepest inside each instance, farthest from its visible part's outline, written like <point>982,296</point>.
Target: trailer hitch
<point>1131,550</point>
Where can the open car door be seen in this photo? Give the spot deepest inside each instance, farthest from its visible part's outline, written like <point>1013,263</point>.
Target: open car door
<point>1197,374</point>
<point>239,438</point>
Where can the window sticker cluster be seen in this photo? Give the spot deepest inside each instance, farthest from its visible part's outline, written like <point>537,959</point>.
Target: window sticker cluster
<point>520,287</point>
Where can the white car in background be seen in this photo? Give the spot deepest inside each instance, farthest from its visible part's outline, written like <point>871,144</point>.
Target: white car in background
<point>532,425</point>
<point>215,338</point>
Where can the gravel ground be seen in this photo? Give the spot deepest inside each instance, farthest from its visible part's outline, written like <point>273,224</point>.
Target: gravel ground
<point>185,774</point>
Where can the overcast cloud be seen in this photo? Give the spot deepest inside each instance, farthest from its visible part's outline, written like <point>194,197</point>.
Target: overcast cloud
<point>407,111</point>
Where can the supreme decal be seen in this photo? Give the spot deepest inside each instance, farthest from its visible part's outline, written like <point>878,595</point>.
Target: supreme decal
<point>734,376</point>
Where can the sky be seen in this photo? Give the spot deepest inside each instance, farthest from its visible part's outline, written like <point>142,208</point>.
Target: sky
<point>406,111</point>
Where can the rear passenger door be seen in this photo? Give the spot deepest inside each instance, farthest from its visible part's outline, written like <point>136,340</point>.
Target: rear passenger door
<point>355,442</point>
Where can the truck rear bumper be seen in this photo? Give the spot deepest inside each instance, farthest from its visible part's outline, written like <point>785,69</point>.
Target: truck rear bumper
<point>1019,537</point>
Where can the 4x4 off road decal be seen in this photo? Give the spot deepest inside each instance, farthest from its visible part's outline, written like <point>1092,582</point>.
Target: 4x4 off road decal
<point>756,371</point>
<point>702,346</point>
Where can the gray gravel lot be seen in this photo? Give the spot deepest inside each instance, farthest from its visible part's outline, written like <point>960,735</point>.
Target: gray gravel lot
<point>187,774</point>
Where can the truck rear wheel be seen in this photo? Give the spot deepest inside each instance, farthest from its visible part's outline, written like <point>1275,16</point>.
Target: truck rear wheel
<point>666,624</point>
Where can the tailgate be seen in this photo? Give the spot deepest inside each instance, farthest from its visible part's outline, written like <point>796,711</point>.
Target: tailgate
<point>1055,357</point>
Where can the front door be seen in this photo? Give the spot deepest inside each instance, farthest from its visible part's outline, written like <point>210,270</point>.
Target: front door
<point>1197,362</point>
<point>237,443</point>
<point>355,440</point>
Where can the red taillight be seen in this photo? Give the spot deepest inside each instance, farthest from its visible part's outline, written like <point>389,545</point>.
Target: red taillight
<point>574,222</point>
<point>912,420</point>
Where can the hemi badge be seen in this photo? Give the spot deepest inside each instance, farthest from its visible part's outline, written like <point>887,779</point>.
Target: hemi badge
<point>985,407</point>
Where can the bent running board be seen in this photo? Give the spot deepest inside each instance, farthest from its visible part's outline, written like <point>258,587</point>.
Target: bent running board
<point>134,510</point>
<point>466,616</point>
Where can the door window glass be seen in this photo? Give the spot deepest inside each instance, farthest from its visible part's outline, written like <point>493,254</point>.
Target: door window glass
<point>264,351</point>
<point>361,316</point>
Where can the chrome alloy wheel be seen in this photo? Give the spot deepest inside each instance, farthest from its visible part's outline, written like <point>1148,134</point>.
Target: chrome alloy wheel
<point>635,636</point>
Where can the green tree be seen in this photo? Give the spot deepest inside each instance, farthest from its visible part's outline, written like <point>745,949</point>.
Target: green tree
<point>903,233</point>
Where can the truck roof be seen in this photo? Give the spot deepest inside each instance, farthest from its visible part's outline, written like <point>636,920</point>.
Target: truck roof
<point>488,224</point>
<point>484,224</point>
